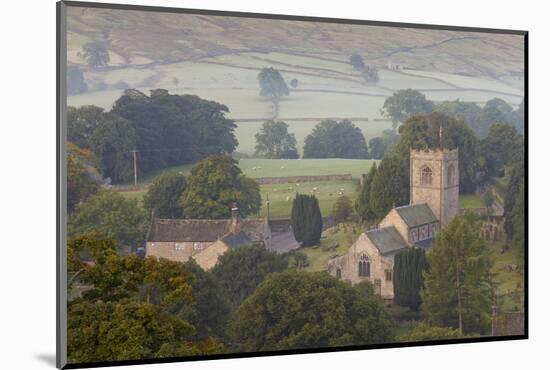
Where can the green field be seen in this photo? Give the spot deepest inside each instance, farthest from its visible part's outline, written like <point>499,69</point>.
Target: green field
<point>282,195</point>
<point>470,201</point>
<point>286,167</point>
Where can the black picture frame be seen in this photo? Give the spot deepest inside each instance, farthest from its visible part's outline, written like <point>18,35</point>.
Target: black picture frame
<point>61,217</point>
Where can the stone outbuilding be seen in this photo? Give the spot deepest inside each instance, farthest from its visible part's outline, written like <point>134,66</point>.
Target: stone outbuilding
<point>204,240</point>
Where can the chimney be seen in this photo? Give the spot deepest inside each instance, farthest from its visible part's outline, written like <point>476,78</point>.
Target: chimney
<point>234,228</point>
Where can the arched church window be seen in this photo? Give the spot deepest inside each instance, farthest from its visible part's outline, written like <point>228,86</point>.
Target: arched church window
<point>426,176</point>
<point>339,273</point>
<point>450,174</point>
<point>364,265</point>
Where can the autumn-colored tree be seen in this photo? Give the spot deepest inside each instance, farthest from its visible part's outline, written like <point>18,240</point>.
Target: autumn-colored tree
<point>83,178</point>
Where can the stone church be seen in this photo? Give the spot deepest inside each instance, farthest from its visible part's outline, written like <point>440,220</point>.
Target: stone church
<point>434,180</point>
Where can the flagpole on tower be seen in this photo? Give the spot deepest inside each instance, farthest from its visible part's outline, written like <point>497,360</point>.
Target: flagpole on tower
<point>440,136</point>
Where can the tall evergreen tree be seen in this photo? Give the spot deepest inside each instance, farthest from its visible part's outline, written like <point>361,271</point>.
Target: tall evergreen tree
<point>389,186</point>
<point>408,280</point>
<point>306,219</point>
<point>517,178</point>
<point>362,204</point>
<point>459,287</point>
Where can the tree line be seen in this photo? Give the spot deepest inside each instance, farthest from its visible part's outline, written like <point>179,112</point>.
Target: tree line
<point>135,308</point>
<point>480,161</point>
<point>164,130</point>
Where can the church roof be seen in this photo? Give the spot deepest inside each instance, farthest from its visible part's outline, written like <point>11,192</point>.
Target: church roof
<point>192,230</point>
<point>387,239</point>
<point>416,214</point>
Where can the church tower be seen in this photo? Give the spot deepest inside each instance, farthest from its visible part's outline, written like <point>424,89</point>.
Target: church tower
<point>434,180</point>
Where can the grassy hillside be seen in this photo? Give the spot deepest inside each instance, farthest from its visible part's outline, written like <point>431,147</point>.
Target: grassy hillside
<point>139,38</point>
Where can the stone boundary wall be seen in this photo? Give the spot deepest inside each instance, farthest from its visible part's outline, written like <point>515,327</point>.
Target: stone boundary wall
<point>294,179</point>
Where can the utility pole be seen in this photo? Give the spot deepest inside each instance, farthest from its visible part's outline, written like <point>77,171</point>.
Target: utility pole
<point>135,166</point>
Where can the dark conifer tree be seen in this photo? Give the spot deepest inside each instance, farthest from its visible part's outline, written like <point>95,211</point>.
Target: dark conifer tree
<point>408,280</point>
<point>307,222</point>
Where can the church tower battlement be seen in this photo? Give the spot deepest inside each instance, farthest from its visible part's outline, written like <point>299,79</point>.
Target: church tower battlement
<point>434,178</point>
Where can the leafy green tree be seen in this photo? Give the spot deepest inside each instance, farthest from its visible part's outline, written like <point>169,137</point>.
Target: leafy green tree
<point>274,142</point>
<point>332,139</point>
<point>422,332</point>
<point>502,146</point>
<point>357,62</point>
<point>297,309</point>
<point>390,186</point>
<point>517,217</point>
<point>123,330</point>
<point>423,132</point>
<point>342,209</point>
<point>81,123</point>
<point>377,148</point>
<point>518,116</point>
<point>163,195</point>
<point>172,130</point>
<point>391,138</point>
<point>497,111</point>
<point>299,260</point>
<point>517,179</point>
<point>215,184</point>
<point>210,308</point>
<point>272,84</point>
<point>76,83</point>
<point>82,177</point>
<point>112,215</point>
<point>112,140</point>
<point>239,271</point>
<point>370,74</point>
<point>363,202</point>
<point>95,54</point>
<point>470,113</point>
<point>459,287</point>
<point>488,198</point>
<point>404,104</point>
<point>408,281</point>
<point>306,219</point>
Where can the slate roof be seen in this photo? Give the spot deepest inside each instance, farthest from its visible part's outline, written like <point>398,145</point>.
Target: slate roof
<point>191,230</point>
<point>236,240</point>
<point>416,214</point>
<point>280,225</point>
<point>425,244</point>
<point>387,239</point>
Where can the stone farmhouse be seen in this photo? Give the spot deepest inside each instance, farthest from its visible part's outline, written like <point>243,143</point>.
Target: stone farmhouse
<point>434,180</point>
<point>206,240</point>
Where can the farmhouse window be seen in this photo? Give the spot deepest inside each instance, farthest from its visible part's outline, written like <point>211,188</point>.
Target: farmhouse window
<point>388,275</point>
